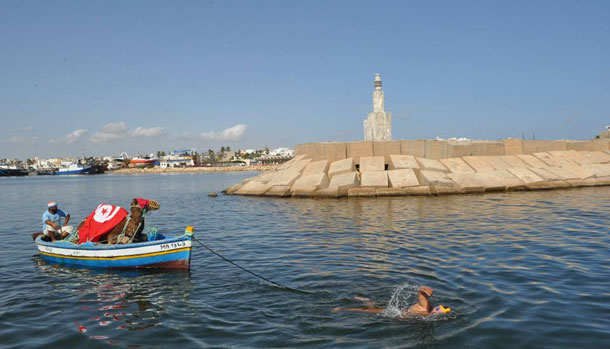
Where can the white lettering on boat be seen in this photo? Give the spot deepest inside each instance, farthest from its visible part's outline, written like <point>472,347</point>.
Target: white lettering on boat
<point>173,245</point>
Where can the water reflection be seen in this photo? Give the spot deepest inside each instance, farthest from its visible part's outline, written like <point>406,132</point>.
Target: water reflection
<point>106,303</point>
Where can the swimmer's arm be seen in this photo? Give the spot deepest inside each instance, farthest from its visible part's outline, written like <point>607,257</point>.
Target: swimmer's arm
<point>360,310</point>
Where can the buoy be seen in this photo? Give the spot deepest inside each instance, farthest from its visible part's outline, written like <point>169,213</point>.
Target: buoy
<point>213,194</point>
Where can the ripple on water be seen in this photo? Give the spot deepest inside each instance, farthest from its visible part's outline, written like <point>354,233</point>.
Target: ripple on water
<point>517,269</point>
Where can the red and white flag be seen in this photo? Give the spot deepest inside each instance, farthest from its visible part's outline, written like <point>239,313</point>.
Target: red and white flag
<point>101,221</point>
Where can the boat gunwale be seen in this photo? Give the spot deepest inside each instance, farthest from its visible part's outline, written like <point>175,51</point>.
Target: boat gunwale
<point>70,246</point>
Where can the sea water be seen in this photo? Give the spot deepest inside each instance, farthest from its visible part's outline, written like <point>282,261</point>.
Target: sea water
<point>522,269</point>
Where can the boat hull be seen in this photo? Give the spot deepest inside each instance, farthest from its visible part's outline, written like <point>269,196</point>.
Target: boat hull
<point>78,171</point>
<point>174,253</point>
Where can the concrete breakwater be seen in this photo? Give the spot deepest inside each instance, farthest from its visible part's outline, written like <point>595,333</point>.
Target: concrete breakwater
<point>402,175</point>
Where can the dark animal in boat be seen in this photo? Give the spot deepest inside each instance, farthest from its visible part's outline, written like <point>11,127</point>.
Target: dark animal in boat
<point>135,226</point>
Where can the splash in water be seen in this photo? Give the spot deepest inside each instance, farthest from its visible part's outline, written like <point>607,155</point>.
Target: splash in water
<point>402,297</point>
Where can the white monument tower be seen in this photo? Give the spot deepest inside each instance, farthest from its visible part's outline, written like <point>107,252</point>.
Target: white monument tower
<point>378,124</point>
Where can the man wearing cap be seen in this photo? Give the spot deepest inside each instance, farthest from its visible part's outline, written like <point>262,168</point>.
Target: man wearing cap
<point>51,222</point>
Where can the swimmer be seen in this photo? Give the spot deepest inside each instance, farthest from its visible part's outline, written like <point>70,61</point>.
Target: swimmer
<point>422,307</point>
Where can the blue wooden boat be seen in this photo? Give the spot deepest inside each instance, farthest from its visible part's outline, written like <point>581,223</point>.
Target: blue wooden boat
<point>170,253</point>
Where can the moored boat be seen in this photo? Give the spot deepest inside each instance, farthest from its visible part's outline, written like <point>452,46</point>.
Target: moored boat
<point>12,171</point>
<point>142,162</point>
<point>73,169</point>
<point>168,253</point>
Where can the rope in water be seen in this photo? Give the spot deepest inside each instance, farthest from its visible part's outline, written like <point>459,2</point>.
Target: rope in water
<point>250,272</point>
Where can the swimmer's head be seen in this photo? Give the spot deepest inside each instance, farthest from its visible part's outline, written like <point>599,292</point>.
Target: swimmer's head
<point>426,291</point>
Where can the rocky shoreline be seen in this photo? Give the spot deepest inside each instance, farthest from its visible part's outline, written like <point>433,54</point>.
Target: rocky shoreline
<point>156,170</point>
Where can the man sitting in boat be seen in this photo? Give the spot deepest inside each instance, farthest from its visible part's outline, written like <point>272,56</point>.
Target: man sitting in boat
<point>51,222</point>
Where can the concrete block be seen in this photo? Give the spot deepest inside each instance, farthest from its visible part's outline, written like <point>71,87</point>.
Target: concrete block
<point>441,190</point>
<point>496,162</point>
<point>278,191</point>
<point>388,192</point>
<point>434,178</point>
<point>563,173</point>
<point>341,166</point>
<point>431,165</point>
<point>487,148</point>
<point>253,188</point>
<point>315,181</point>
<point>291,161</point>
<point>402,178</point>
<point>500,180</point>
<point>575,157</point>
<point>298,166</point>
<point>306,149</point>
<point>457,149</point>
<point>580,145</point>
<point>513,146</point>
<point>582,172</point>
<point>545,174</point>
<point>264,177</point>
<point>316,167</point>
<point>415,147</point>
<point>546,158</point>
<point>531,161</point>
<point>344,181</point>
<point>525,175</point>
<point>402,161</point>
<point>372,163</point>
<point>361,192</point>
<point>285,177</point>
<point>356,150</point>
<point>385,149</point>
<point>375,179</point>
<point>457,165</point>
<point>469,182</point>
<point>332,151</point>
<point>600,170</point>
<point>513,161</point>
<point>547,185</point>
<point>600,157</point>
<point>436,149</point>
<point>478,164</point>
<point>305,192</point>
<point>422,190</point>
<point>327,193</point>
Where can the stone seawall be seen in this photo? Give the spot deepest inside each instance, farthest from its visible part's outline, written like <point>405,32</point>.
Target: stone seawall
<point>442,149</point>
<point>387,172</point>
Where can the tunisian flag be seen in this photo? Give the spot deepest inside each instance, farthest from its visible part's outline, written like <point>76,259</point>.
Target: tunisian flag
<point>101,221</point>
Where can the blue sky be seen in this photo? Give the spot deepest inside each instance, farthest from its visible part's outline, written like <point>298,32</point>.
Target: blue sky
<point>100,77</point>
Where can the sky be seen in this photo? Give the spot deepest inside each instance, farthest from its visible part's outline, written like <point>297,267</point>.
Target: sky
<point>101,77</point>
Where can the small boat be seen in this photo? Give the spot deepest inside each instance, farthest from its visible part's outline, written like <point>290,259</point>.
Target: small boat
<point>168,253</point>
<point>73,169</point>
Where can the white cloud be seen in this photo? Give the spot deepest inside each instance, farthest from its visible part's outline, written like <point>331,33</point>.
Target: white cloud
<point>110,132</point>
<point>147,132</point>
<point>15,139</point>
<point>235,133</point>
<point>75,136</point>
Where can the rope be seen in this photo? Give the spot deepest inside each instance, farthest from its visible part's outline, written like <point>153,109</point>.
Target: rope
<point>251,272</point>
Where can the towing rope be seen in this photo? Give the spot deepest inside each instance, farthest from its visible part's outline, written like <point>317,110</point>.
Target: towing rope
<point>251,272</point>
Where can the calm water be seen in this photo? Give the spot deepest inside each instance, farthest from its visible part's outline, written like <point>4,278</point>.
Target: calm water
<point>519,270</point>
